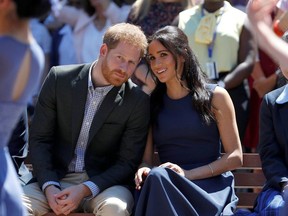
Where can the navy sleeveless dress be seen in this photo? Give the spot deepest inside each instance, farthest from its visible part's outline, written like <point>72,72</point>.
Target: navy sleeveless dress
<point>181,137</point>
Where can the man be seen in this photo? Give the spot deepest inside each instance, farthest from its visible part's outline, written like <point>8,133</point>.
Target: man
<point>89,131</point>
<point>273,150</point>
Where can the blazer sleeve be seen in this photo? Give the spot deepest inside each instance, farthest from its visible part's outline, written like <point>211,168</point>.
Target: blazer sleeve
<point>42,132</point>
<point>270,150</point>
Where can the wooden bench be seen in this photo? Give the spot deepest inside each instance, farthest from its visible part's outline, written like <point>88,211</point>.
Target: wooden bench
<point>249,180</point>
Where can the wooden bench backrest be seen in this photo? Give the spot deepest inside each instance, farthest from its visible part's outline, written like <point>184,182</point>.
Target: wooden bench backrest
<point>249,177</point>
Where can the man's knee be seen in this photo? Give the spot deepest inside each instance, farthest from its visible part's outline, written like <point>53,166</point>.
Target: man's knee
<point>116,200</point>
<point>34,200</point>
<point>114,206</point>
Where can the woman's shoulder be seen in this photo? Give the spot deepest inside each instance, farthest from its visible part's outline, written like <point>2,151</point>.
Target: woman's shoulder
<point>220,97</point>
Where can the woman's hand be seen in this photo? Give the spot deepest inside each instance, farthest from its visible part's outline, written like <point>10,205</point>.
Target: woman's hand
<point>174,167</point>
<point>140,176</point>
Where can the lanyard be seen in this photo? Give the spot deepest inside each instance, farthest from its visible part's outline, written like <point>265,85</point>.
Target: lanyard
<point>211,45</point>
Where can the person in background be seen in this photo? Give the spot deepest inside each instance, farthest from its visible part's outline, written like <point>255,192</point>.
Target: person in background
<point>273,151</point>
<point>89,25</point>
<point>62,38</point>
<point>265,77</point>
<point>239,4</point>
<point>262,80</point>
<point>259,16</point>
<point>22,63</point>
<point>120,3</point>
<point>43,38</point>
<point>282,6</point>
<point>18,148</point>
<point>189,117</point>
<point>89,130</point>
<point>151,15</point>
<point>223,44</point>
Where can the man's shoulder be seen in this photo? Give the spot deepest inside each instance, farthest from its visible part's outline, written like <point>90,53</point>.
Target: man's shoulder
<point>273,95</point>
<point>62,69</point>
<point>68,72</point>
<point>135,90</point>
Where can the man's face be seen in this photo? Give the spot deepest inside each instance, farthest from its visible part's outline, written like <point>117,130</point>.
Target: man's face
<point>119,63</point>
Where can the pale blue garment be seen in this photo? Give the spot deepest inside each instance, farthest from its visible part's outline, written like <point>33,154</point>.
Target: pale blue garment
<point>12,53</point>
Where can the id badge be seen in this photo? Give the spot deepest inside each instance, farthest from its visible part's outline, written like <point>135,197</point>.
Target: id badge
<point>211,70</point>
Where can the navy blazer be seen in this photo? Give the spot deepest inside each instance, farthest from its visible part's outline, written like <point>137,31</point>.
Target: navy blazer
<point>273,140</point>
<point>117,135</point>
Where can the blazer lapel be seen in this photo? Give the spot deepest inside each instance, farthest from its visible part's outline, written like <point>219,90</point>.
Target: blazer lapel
<point>79,97</point>
<point>112,99</point>
<point>284,119</point>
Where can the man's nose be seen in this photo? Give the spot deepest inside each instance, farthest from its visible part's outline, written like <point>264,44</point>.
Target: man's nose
<point>124,66</point>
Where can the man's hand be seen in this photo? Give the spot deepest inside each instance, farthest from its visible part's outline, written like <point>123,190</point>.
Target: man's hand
<point>140,176</point>
<point>70,198</point>
<point>50,193</point>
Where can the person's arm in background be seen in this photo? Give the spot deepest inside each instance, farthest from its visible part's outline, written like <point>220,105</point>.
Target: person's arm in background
<point>262,84</point>
<point>246,57</point>
<point>114,13</point>
<point>258,13</point>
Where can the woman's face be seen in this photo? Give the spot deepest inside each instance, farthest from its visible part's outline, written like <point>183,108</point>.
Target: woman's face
<point>161,62</point>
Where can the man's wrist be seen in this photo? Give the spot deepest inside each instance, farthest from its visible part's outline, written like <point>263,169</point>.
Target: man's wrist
<point>51,183</point>
<point>93,189</point>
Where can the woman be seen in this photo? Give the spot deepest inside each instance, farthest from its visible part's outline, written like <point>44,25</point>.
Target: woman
<point>189,118</point>
<point>21,61</point>
<point>151,15</point>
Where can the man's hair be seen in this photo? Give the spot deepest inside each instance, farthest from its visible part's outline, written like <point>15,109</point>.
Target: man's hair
<point>126,33</point>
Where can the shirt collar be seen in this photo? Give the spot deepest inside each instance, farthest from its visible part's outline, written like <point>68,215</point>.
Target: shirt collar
<point>283,97</point>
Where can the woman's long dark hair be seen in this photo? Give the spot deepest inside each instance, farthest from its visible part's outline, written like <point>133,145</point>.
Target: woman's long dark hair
<point>176,42</point>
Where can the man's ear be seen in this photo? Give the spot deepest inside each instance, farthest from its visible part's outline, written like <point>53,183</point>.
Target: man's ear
<point>103,50</point>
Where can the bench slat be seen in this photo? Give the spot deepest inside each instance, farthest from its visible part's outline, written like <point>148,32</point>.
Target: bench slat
<point>246,199</point>
<point>249,180</point>
<point>251,160</point>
